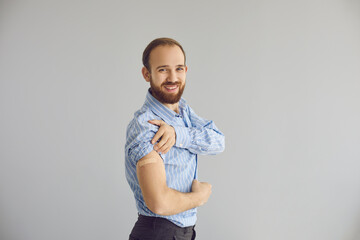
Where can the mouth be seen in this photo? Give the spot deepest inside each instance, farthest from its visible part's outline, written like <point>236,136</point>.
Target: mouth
<point>171,88</point>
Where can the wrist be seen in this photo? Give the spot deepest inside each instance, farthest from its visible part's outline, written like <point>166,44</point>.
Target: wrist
<point>182,136</point>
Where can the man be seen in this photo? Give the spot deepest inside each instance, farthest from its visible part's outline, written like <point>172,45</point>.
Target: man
<point>162,144</point>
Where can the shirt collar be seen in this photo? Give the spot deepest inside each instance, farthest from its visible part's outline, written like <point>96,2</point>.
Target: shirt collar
<point>161,110</point>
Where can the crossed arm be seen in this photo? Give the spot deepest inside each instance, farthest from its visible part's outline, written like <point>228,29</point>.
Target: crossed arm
<point>161,199</point>
<point>158,197</point>
<point>203,138</point>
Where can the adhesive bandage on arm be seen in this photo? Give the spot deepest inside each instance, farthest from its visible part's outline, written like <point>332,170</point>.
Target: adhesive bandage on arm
<point>145,161</point>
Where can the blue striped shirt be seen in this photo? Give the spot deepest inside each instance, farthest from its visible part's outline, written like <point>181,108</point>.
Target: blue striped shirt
<point>194,135</point>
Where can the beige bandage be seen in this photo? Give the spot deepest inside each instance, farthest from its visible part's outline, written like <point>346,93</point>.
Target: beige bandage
<point>145,161</point>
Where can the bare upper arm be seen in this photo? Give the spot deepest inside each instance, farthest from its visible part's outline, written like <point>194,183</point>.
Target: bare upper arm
<point>152,178</point>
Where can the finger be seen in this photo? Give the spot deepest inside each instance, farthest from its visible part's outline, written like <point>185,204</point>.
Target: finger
<point>163,148</point>
<point>164,144</point>
<point>172,141</point>
<point>160,144</point>
<point>169,144</point>
<point>157,136</point>
<point>156,122</point>
<point>166,150</point>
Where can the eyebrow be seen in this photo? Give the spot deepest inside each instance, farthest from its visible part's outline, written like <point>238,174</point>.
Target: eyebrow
<point>179,65</point>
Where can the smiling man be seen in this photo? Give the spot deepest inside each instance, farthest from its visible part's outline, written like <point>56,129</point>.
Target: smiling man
<point>162,143</point>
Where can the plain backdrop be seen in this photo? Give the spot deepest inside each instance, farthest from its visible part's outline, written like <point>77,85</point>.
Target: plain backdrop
<point>281,79</point>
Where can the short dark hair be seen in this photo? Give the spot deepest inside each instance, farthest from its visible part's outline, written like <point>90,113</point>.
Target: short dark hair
<point>159,42</point>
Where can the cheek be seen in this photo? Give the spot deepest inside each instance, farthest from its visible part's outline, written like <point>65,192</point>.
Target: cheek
<point>182,77</point>
<point>158,79</point>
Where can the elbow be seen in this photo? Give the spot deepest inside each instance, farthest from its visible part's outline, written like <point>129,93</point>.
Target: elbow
<point>221,145</point>
<point>154,206</point>
<point>159,210</point>
<point>158,205</point>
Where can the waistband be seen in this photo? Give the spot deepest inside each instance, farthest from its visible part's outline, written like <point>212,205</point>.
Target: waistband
<point>152,221</point>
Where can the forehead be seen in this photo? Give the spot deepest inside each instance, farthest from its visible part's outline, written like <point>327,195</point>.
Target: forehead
<point>166,55</point>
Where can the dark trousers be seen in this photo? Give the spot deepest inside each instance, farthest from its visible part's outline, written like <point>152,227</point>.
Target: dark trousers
<point>156,228</point>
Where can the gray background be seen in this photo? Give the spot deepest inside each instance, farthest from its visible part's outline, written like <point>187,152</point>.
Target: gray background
<point>281,79</point>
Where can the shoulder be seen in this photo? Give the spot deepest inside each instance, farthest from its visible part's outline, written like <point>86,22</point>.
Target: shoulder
<point>139,133</point>
<point>139,127</point>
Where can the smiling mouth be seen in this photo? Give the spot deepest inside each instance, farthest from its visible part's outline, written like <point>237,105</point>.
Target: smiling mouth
<point>171,88</point>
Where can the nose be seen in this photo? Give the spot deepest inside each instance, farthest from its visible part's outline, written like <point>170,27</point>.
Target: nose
<point>172,76</point>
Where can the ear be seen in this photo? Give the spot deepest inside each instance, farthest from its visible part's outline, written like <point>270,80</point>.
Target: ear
<point>186,68</point>
<point>146,74</point>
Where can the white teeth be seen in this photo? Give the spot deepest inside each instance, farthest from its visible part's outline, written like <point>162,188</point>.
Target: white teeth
<point>171,88</point>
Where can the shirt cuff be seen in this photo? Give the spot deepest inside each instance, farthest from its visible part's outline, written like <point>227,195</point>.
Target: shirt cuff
<point>183,137</point>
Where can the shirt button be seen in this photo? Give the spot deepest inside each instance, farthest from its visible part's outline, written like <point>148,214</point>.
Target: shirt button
<point>181,144</point>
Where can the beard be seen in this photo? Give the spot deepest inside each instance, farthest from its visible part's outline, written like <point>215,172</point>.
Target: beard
<point>164,97</point>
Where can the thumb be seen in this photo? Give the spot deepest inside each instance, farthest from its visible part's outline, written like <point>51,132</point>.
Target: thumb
<point>156,122</point>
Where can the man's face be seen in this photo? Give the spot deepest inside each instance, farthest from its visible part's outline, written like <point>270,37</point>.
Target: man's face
<point>168,73</point>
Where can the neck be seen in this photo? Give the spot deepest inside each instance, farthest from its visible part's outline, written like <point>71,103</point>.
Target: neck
<point>174,107</point>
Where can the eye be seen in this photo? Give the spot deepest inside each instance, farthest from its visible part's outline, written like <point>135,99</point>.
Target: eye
<point>162,70</point>
<point>180,69</point>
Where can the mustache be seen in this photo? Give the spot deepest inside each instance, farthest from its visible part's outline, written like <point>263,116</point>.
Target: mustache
<point>171,84</point>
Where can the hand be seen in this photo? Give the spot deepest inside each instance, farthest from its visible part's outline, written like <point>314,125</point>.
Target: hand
<point>204,190</point>
<point>167,135</point>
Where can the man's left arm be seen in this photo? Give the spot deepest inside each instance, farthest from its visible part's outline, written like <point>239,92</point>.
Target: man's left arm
<point>202,138</point>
